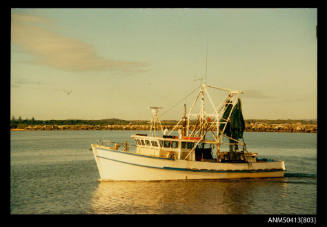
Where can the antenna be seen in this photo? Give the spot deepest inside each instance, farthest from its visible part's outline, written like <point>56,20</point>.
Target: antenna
<point>205,80</point>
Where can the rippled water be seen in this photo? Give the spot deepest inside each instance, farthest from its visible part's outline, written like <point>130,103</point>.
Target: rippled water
<point>53,172</point>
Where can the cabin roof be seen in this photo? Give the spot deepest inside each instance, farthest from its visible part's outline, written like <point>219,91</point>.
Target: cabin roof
<point>172,139</point>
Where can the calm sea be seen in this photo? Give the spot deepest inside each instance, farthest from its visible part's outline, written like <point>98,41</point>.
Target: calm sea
<point>53,172</point>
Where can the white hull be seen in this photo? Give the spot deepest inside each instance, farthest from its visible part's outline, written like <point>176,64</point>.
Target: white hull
<point>128,166</point>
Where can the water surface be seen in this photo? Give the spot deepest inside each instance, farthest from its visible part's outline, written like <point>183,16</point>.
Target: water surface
<point>54,172</point>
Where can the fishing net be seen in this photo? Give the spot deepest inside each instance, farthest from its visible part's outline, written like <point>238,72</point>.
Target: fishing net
<point>236,125</point>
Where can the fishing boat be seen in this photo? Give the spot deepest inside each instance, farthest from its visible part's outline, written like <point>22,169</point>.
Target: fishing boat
<point>201,145</point>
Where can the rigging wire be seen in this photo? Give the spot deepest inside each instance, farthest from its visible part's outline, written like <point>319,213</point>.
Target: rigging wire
<point>178,102</point>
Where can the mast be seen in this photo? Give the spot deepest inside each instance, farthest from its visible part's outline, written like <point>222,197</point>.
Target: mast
<point>184,122</point>
<point>202,120</point>
<point>215,122</point>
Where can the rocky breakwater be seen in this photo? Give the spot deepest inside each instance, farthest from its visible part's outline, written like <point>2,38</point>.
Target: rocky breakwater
<point>87,127</point>
<point>250,127</point>
<point>287,127</point>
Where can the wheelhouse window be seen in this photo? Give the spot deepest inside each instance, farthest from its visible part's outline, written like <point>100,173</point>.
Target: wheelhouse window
<point>138,142</point>
<point>142,141</point>
<point>166,143</point>
<point>174,144</point>
<point>147,142</point>
<point>161,143</point>
<point>154,143</point>
<point>184,145</point>
<point>190,145</point>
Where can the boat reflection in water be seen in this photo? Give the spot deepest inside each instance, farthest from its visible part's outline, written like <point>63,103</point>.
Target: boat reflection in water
<point>247,196</point>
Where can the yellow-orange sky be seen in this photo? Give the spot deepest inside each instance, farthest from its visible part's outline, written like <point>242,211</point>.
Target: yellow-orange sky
<point>118,62</point>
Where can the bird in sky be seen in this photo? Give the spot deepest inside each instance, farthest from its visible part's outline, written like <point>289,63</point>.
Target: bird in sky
<point>68,92</point>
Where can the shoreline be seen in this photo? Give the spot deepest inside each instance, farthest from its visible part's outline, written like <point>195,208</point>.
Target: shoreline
<point>252,127</point>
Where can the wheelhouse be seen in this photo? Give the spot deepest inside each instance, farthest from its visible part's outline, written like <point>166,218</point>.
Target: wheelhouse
<point>173,147</point>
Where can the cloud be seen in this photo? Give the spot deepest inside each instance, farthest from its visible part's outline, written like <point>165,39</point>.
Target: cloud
<point>298,98</point>
<point>256,94</point>
<point>53,49</point>
<point>23,81</point>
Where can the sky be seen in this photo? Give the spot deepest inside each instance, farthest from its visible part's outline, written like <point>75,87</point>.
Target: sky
<point>115,63</point>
